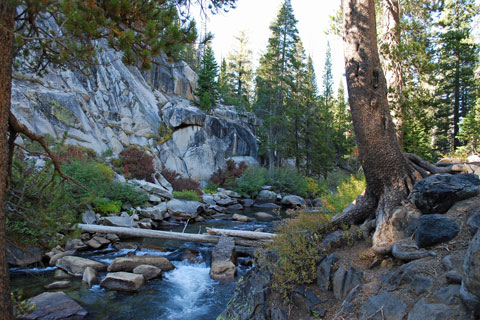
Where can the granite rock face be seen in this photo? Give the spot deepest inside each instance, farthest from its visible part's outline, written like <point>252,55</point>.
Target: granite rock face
<point>112,106</point>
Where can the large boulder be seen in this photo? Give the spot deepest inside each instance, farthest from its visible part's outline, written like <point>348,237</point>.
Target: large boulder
<point>130,263</point>
<point>155,189</point>
<point>53,306</point>
<point>90,276</point>
<point>180,113</point>
<point>76,266</point>
<point>148,272</point>
<point>470,291</point>
<point>293,201</point>
<point>126,222</point>
<point>223,267</point>
<point>434,229</point>
<point>156,213</point>
<point>393,308</point>
<point>22,257</point>
<point>266,196</point>
<point>185,209</point>
<point>437,193</point>
<point>123,281</point>
<point>345,280</point>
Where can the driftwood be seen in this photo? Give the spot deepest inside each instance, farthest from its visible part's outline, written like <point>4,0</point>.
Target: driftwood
<point>242,234</point>
<point>146,233</point>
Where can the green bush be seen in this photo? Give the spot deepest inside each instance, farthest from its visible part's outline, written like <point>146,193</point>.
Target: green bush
<point>288,181</point>
<point>347,191</point>
<point>298,247</point>
<point>106,206</point>
<point>187,195</point>
<point>250,182</point>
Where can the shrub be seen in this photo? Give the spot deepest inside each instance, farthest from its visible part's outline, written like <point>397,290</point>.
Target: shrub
<point>288,181</point>
<point>298,248</point>
<point>179,183</point>
<point>187,195</point>
<point>106,206</point>
<point>137,163</point>
<point>68,153</point>
<point>347,191</point>
<point>250,182</point>
<point>224,177</point>
<point>314,189</point>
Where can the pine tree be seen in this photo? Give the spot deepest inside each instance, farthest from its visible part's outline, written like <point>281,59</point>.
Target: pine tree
<point>207,87</point>
<point>458,58</point>
<point>224,90</point>
<point>274,81</point>
<point>240,72</point>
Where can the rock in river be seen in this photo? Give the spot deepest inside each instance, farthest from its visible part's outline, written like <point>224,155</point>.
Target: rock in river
<point>130,263</point>
<point>76,266</point>
<point>53,306</point>
<point>123,281</point>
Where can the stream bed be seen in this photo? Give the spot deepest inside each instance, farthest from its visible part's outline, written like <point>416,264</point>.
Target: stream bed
<point>185,293</point>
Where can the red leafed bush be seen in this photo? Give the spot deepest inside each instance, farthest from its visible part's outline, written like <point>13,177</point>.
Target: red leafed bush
<point>68,153</point>
<point>179,183</point>
<point>137,164</point>
<point>222,176</point>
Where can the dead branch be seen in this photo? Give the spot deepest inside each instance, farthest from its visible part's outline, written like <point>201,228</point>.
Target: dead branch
<point>16,127</point>
<point>427,166</point>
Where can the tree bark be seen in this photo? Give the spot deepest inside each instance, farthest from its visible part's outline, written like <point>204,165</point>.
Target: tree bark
<point>387,172</point>
<point>393,66</point>
<point>7,10</point>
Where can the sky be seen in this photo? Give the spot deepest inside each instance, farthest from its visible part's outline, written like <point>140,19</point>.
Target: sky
<point>255,17</point>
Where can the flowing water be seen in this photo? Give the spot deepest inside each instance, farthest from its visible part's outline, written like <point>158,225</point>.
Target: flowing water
<point>185,293</point>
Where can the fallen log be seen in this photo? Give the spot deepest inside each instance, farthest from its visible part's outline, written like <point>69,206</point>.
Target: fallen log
<point>253,235</point>
<point>169,235</point>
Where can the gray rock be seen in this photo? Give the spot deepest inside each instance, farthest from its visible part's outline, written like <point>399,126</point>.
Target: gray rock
<point>113,237</point>
<point>126,222</point>
<point>235,207</point>
<point>54,306</point>
<point>265,196</point>
<point>434,229</point>
<point>90,276</point>
<point>177,115</point>
<point>293,201</point>
<point>264,215</point>
<point>473,223</point>
<point>75,244</point>
<point>449,295</point>
<point>224,200</point>
<point>223,261</point>
<point>123,281</point>
<point>471,274</point>
<point>384,306</point>
<point>247,202</point>
<point>184,209</point>
<point>266,206</point>
<point>88,217</point>
<point>421,284</point>
<point>60,274</point>
<point>278,314</point>
<point>76,266</point>
<point>155,189</point>
<point>156,213</point>
<point>148,272</point>
<point>431,311</point>
<point>437,193</point>
<point>333,240</point>
<point>470,300</point>
<point>229,193</point>
<point>241,217</point>
<point>208,199</point>
<point>56,257</point>
<point>344,280</point>
<point>129,263</point>
<point>58,285</point>
<point>324,272</point>
<point>21,257</point>
<point>447,263</point>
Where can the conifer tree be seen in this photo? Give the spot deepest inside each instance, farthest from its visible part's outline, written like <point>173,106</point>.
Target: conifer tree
<point>224,90</point>
<point>207,87</point>
<point>274,80</point>
<point>240,72</point>
<point>458,58</point>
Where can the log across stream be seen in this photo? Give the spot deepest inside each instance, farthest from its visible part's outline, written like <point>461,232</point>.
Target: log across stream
<point>242,238</point>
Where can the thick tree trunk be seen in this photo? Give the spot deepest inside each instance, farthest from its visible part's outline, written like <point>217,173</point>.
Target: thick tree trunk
<point>7,10</point>
<point>393,67</point>
<point>387,172</point>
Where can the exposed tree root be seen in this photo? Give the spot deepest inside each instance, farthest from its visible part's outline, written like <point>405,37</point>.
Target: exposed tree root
<point>15,128</point>
<point>368,205</point>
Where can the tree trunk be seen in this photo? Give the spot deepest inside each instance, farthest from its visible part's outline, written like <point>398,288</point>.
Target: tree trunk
<point>7,10</point>
<point>393,67</point>
<point>387,172</point>
<point>456,104</point>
